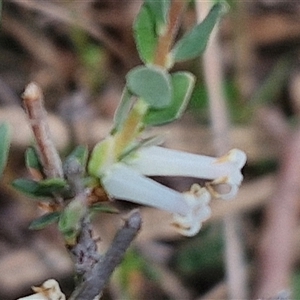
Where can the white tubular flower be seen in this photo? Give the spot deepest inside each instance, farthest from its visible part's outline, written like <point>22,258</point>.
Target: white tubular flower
<point>190,209</point>
<point>161,161</point>
<point>190,224</point>
<point>49,290</point>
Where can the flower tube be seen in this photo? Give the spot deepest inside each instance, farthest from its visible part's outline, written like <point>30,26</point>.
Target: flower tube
<point>160,161</point>
<point>189,209</point>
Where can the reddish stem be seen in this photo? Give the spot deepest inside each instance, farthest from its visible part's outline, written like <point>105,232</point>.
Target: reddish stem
<point>166,40</point>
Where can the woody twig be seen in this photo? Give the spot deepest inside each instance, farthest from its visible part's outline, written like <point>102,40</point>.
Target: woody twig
<point>48,155</point>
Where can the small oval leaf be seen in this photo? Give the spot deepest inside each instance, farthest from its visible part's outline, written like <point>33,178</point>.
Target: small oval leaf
<point>33,164</point>
<point>122,111</point>
<point>80,153</point>
<point>152,84</point>
<point>98,207</point>
<point>44,221</point>
<point>145,35</point>
<point>74,166</point>
<point>53,184</point>
<point>183,84</point>
<point>43,188</point>
<point>26,186</point>
<point>194,42</point>
<point>159,12</point>
<point>70,219</point>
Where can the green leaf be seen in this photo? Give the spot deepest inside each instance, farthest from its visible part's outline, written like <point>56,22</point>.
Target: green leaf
<point>43,188</point>
<point>4,145</point>
<point>98,207</point>
<point>159,12</point>
<point>74,169</point>
<point>123,109</point>
<point>53,184</point>
<point>70,220</point>
<point>28,187</point>
<point>80,153</point>
<point>152,84</point>
<point>183,84</point>
<point>32,160</point>
<point>101,156</point>
<point>145,34</point>
<point>44,221</point>
<point>194,42</point>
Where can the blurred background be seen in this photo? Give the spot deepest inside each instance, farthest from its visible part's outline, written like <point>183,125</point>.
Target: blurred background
<point>79,53</point>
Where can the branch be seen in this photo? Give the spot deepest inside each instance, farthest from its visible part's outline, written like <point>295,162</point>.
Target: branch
<point>93,269</point>
<point>48,155</point>
<point>34,106</point>
<point>94,281</point>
